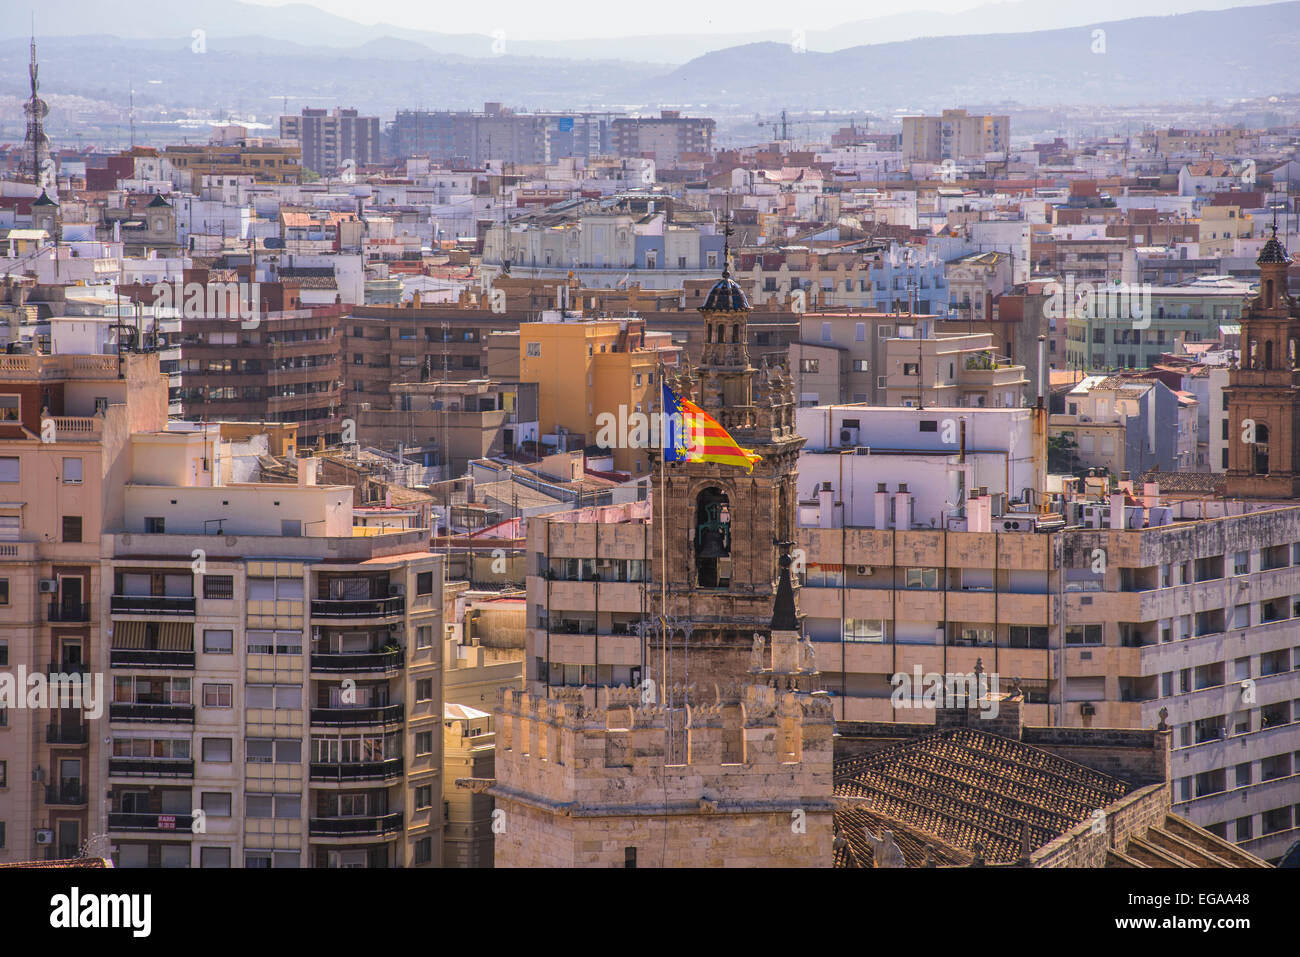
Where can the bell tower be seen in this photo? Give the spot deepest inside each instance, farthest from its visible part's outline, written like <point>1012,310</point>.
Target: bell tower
<point>1263,391</point>
<point>723,528</point>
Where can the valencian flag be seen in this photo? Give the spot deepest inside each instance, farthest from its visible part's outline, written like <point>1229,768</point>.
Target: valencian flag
<point>692,435</point>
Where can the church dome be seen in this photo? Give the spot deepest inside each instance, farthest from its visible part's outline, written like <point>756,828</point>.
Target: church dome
<point>726,296</point>
<point>1273,252</point>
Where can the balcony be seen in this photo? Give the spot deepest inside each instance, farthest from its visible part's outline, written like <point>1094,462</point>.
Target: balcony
<point>154,713</point>
<point>150,768</point>
<point>150,821</point>
<point>152,605</point>
<point>360,826</point>
<point>150,658</point>
<point>358,771</point>
<point>357,661</point>
<point>383,714</point>
<point>357,608</point>
<point>68,612</point>
<point>67,794</point>
<point>66,734</point>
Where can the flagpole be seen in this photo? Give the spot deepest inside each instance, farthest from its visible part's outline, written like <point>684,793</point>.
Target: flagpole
<point>663,528</point>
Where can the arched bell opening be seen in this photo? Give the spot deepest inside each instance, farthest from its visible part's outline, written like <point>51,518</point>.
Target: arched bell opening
<point>712,538</point>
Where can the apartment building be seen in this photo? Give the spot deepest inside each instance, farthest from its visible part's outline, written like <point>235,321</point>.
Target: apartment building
<point>1133,332</point>
<point>1189,599</point>
<point>277,677</point>
<point>473,138</point>
<point>331,139</point>
<point>590,372</point>
<point>64,427</point>
<point>1123,424</point>
<point>667,138</point>
<point>951,370</point>
<point>954,135</point>
<point>839,357</point>
<point>266,161</point>
<point>469,751</point>
<point>280,366</point>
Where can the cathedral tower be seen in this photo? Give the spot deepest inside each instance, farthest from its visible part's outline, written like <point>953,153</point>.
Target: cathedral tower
<point>1263,393</point>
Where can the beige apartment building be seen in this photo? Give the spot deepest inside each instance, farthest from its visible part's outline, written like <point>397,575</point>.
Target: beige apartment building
<point>277,679</point>
<point>954,135</point>
<point>841,357</point>
<point>64,427</point>
<point>950,371</point>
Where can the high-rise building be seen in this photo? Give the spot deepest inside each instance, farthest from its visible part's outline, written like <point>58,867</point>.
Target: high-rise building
<point>667,138</point>
<point>954,136</point>
<point>330,140</point>
<point>498,134</point>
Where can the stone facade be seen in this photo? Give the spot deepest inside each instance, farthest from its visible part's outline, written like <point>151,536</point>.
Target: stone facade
<point>743,781</point>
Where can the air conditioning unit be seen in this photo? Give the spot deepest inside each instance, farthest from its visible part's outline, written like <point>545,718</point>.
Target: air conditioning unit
<point>49,586</point>
<point>396,590</point>
<point>865,570</point>
<point>1017,525</point>
<point>848,436</point>
<point>44,836</point>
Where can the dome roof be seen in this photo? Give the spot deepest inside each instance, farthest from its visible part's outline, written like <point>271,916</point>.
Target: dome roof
<point>1273,252</point>
<point>725,296</point>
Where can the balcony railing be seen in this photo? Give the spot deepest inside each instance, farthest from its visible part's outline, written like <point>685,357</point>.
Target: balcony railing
<point>59,611</point>
<point>66,734</point>
<point>150,821</point>
<point>363,661</point>
<point>383,714</point>
<point>67,794</point>
<point>151,712</point>
<point>358,770</point>
<point>149,658</point>
<point>152,605</point>
<point>357,608</point>
<point>356,826</point>
<point>150,768</point>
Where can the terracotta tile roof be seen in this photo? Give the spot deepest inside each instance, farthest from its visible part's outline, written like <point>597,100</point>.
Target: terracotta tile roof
<point>961,788</point>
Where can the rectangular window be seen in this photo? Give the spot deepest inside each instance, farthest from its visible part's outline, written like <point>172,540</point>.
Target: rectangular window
<point>424,689</point>
<point>424,583</point>
<point>218,586</point>
<point>72,471</point>
<point>423,797</point>
<point>217,642</point>
<point>154,525</point>
<point>71,528</point>
<point>424,637</point>
<point>214,857</point>
<point>9,408</point>
<point>424,742</point>
<point>215,803</point>
<point>217,750</point>
<point>217,695</point>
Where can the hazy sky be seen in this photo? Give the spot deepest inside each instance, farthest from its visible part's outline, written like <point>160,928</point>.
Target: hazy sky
<point>575,19</point>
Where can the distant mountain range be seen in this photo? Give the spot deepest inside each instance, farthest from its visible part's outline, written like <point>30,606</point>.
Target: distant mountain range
<point>306,25</point>
<point>1237,53</point>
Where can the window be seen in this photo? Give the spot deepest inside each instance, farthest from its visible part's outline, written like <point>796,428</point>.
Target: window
<point>4,774</point>
<point>1241,563</point>
<point>424,689</point>
<point>809,365</point>
<point>217,750</point>
<point>861,365</point>
<point>4,591</point>
<point>533,350</point>
<point>290,527</point>
<point>629,858</point>
<point>217,695</point>
<point>1083,635</point>
<point>215,803</point>
<point>218,642</point>
<point>922,578</point>
<point>424,742</point>
<point>424,636</point>
<point>423,851</point>
<point>72,471</point>
<point>911,368</point>
<point>423,797</point>
<point>864,629</point>
<point>72,528</point>
<point>424,583</point>
<point>154,525</point>
<point>218,586</point>
<point>9,408</point>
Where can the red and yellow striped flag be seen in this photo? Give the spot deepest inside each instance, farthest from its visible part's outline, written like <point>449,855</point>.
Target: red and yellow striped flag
<point>700,438</point>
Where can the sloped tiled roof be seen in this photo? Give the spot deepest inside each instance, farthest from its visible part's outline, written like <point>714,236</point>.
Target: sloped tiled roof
<point>961,788</point>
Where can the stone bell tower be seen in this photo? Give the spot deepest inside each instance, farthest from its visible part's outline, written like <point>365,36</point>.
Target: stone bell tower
<point>723,527</point>
<point>1263,391</point>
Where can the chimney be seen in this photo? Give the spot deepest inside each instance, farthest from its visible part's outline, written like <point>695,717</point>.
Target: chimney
<point>902,507</point>
<point>307,472</point>
<point>1117,510</point>
<point>1042,370</point>
<point>882,506</point>
<point>826,506</point>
